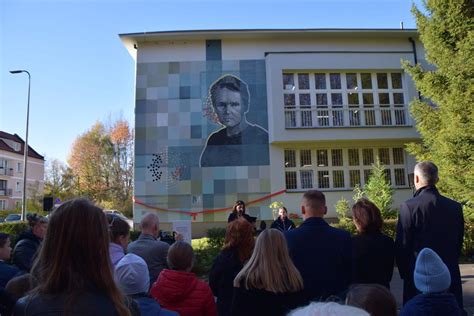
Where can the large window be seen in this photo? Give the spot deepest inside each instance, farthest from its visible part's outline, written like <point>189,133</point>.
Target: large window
<point>333,99</point>
<point>341,168</point>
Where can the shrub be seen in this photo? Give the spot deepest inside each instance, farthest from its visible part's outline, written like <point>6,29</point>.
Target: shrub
<point>14,229</point>
<point>216,237</point>
<point>342,209</point>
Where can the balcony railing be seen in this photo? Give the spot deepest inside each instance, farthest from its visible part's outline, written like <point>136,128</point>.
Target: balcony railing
<point>5,192</point>
<point>6,172</point>
<point>346,116</point>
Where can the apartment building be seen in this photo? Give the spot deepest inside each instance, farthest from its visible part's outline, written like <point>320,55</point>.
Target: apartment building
<point>264,115</point>
<point>11,171</point>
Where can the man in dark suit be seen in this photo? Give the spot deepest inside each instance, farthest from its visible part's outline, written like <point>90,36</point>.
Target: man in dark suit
<point>321,253</point>
<point>429,220</point>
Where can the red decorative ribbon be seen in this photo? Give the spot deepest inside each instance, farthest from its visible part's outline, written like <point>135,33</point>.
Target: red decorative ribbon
<point>194,214</point>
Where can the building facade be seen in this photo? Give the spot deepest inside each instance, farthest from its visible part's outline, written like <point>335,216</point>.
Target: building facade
<point>264,115</point>
<point>11,171</point>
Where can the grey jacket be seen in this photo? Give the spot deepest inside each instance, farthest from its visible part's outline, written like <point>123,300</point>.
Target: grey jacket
<point>154,253</point>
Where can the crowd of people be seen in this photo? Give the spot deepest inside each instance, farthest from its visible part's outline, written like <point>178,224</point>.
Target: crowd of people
<point>80,262</point>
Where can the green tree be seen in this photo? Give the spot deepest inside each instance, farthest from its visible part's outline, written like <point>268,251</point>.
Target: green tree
<point>379,191</point>
<point>444,116</point>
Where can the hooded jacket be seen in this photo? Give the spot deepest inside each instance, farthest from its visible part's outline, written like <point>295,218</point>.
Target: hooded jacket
<point>26,250</point>
<point>184,293</point>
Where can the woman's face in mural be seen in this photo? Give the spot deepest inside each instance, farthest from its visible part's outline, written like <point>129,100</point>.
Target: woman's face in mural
<point>228,107</point>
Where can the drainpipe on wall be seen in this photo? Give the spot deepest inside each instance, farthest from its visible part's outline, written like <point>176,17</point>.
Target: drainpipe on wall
<point>415,58</point>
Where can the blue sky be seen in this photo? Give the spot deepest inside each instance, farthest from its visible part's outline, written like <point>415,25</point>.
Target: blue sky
<point>82,73</point>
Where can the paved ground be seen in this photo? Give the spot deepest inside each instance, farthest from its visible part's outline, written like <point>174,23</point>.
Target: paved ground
<point>467,273</point>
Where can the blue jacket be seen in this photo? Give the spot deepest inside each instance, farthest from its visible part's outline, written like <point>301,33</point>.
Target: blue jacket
<point>7,272</point>
<point>323,255</point>
<point>150,307</point>
<point>432,304</point>
<point>434,221</point>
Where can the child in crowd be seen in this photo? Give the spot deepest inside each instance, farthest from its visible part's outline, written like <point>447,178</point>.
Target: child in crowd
<point>269,283</point>
<point>29,242</point>
<point>328,309</point>
<point>119,231</point>
<point>432,279</point>
<point>131,274</point>
<point>178,289</point>
<point>74,266</point>
<point>238,246</point>
<point>373,298</point>
<point>7,272</point>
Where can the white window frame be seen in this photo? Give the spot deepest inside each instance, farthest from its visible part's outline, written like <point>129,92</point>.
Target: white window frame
<point>3,204</point>
<point>346,168</point>
<point>18,186</point>
<point>317,115</point>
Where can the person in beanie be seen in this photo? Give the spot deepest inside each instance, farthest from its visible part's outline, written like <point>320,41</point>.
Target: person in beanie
<point>131,275</point>
<point>432,279</point>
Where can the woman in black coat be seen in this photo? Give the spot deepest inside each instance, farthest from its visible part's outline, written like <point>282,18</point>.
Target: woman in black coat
<point>269,283</point>
<point>373,253</point>
<point>238,247</point>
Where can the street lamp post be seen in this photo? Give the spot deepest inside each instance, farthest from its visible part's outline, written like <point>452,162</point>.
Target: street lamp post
<point>25,149</point>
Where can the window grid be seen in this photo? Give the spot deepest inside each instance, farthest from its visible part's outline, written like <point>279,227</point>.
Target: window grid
<point>332,90</point>
<point>341,168</point>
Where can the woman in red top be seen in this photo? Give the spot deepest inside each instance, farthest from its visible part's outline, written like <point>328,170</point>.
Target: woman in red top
<point>178,289</point>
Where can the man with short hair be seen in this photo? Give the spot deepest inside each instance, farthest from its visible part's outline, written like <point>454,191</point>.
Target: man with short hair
<point>147,246</point>
<point>429,220</point>
<point>321,253</point>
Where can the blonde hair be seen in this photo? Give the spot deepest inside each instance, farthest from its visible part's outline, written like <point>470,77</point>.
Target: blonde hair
<point>270,267</point>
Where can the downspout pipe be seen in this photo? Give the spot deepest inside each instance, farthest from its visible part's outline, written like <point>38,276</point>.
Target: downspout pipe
<point>415,58</point>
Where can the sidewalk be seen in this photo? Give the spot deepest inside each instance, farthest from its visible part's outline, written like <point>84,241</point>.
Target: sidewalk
<point>467,274</point>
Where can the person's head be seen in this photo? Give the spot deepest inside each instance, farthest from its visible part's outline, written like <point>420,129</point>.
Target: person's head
<point>431,274</point>
<point>366,216</point>
<point>230,100</point>
<point>313,204</point>
<point>20,286</point>
<point>75,254</point>
<point>119,230</point>
<point>240,236</point>
<point>330,308</point>
<point>5,246</point>
<point>150,224</point>
<point>373,298</point>
<point>426,173</point>
<point>180,256</point>
<point>38,225</point>
<point>131,274</point>
<point>282,213</point>
<point>270,267</point>
<point>239,207</point>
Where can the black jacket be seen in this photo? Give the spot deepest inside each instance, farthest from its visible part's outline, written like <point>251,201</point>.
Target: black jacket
<point>261,302</point>
<point>26,250</point>
<point>89,304</point>
<point>233,216</point>
<point>221,279</point>
<point>323,255</point>
<point>373,258</point>
<point>434,221</point>
<point>285,225</point>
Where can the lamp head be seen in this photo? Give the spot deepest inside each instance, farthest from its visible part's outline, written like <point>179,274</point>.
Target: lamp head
<point>16,71</point>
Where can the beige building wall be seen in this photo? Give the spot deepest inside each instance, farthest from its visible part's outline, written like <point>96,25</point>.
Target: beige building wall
<point>14,177</point>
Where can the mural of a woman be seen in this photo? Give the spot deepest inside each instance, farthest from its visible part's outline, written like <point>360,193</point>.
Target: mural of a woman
<point>238,142</point>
